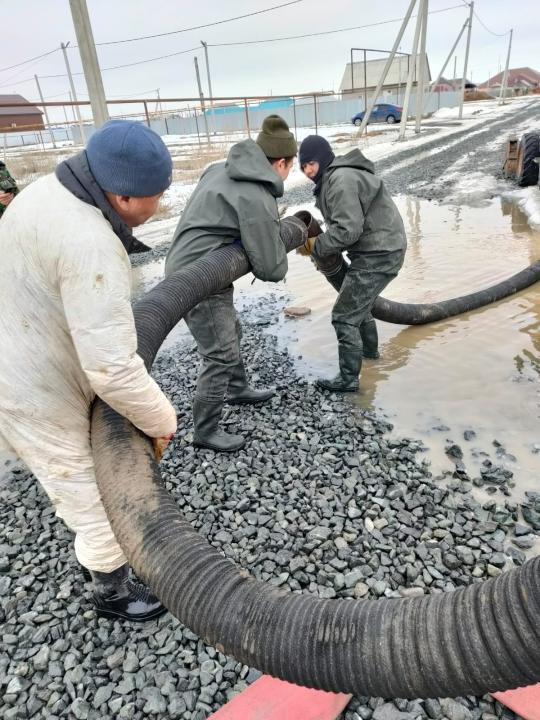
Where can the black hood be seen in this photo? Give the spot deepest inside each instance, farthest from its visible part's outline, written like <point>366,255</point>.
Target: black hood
<point>354,159</point>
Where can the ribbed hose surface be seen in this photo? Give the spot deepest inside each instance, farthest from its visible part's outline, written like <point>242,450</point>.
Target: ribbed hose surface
<point>482,638</point>
<point>420,314</point>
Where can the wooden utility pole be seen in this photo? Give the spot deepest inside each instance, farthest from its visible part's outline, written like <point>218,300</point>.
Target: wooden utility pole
<point>51,133</point>
<point>201,95</point>
<point>423,12</point>
<point>73,94</point>
<point>387,67</point>
<point>87,50</point>
<point>464,78</point>
<point>410,77</point>
<point>502,95</point>
<point>210,95</point>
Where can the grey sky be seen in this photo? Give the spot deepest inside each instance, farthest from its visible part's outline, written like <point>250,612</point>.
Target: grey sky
<point>31,27</point>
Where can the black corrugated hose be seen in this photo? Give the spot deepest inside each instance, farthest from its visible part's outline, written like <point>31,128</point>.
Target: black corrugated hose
<point>482,638</point>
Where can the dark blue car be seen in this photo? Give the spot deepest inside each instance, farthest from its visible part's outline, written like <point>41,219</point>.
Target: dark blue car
<point>382,112</point>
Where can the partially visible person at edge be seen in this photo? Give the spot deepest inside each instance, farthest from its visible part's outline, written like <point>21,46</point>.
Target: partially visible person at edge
<point>8,188</point>
<point>362,221</point>
<point>69,334</point>
<point>234,201</point>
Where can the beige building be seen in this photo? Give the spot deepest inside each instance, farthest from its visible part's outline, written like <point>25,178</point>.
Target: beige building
<point>358,77</point>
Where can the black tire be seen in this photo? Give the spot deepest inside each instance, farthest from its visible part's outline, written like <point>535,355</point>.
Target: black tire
<point>527,169</point>
<point>391,119</point>
<point>357,122</point>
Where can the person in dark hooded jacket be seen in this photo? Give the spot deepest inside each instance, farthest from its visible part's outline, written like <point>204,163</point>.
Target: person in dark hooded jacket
<point>362,221</point>
<point>234,201</point>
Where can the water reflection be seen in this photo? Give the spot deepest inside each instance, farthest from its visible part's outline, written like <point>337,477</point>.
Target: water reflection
<point>477,371</point>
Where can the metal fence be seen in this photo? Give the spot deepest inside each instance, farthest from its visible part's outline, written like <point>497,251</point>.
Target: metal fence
<point>237,115</point>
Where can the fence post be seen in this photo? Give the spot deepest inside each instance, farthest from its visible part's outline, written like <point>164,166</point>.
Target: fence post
<point>247,117</point>
<point>197,126</point>
<point>146,113</point>
<point>315,109</point>
<point>294,115</point>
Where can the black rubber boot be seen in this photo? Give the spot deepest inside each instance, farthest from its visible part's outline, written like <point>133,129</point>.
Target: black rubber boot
<point>350,364</point>
<point>241,394</point>
<point>116,596</point>
<point>370,340</point>
<point>208,434</point>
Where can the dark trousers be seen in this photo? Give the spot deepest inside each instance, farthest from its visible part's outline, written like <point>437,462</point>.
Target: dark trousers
<point>365,279</point>
<point>217,332</point>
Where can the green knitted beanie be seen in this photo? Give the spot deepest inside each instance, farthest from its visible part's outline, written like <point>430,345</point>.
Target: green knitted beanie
<point>275,139</point>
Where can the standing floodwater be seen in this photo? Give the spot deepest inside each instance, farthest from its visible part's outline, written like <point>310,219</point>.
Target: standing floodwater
<point>477,372</point>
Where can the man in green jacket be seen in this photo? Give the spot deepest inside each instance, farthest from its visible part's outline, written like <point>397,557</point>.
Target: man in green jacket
<point>234,202</point>
<point>8,188</point>
<point>363,221</point>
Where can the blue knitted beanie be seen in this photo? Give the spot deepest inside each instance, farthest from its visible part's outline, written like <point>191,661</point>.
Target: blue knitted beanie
<point>127,158</point>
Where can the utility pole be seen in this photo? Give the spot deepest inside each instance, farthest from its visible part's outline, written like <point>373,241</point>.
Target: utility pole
<point>202,100</point>
<point>464,78</point>
<point>387,66</point>
<point>502,96</point>
<point>46,112</point>
<point>410,76</point>
<point>437,81</point>
<point>73,93</point>
<point>87,50</point>
<point>423,11</point>
<point>210,94</point>
<point>455,63</point>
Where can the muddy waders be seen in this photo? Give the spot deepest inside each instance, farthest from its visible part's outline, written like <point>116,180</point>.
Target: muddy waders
<point>215,327</point>
<point>364,280</point>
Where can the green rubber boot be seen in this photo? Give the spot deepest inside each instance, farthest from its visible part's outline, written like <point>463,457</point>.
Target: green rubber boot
<point>350,364</point>
<point>208,434</point>
<point>240,393</point>
<point>370,340</point>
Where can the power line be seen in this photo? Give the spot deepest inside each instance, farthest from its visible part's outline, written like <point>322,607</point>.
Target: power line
<point>37,57</point>
<point>483,23</point>
<point>486,27</point>
<point>198,27</point>
<point>138,62</point>
<point>247,42</point>
<point>17,82</point>
<point>147,37</point>
<point>325,32</point>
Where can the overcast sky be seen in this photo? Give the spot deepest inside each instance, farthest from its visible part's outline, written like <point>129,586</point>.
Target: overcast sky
<point>32,27</point>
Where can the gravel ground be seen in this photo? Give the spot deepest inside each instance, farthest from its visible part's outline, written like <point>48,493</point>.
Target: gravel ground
<point>319,501</point>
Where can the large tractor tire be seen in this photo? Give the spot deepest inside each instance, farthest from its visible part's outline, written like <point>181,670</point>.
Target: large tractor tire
<point>527,168</point>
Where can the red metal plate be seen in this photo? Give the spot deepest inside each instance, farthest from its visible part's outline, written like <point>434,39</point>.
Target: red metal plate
<point>523,701</point>
<point>271,699</point>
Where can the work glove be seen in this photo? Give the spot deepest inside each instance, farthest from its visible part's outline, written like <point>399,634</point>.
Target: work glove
<point>307,248</point>
<point>314,230</point>
<point>160,445</point>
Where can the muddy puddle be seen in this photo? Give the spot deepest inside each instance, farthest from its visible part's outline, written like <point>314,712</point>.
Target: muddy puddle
<point>478,372</point>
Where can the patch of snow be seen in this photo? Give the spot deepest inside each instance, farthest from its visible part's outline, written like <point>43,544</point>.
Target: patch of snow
<point>473,188</point>
<point>528,201</point>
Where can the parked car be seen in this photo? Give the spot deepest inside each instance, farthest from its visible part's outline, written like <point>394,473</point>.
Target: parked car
<point>382,112</point>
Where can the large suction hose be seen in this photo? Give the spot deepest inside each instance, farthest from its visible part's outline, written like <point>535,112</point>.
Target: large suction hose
<point>482,638</point>
<point>420,314</point>
<point>334,268</point>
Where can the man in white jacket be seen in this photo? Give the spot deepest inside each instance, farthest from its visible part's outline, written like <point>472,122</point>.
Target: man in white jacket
<point>68,334</point>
